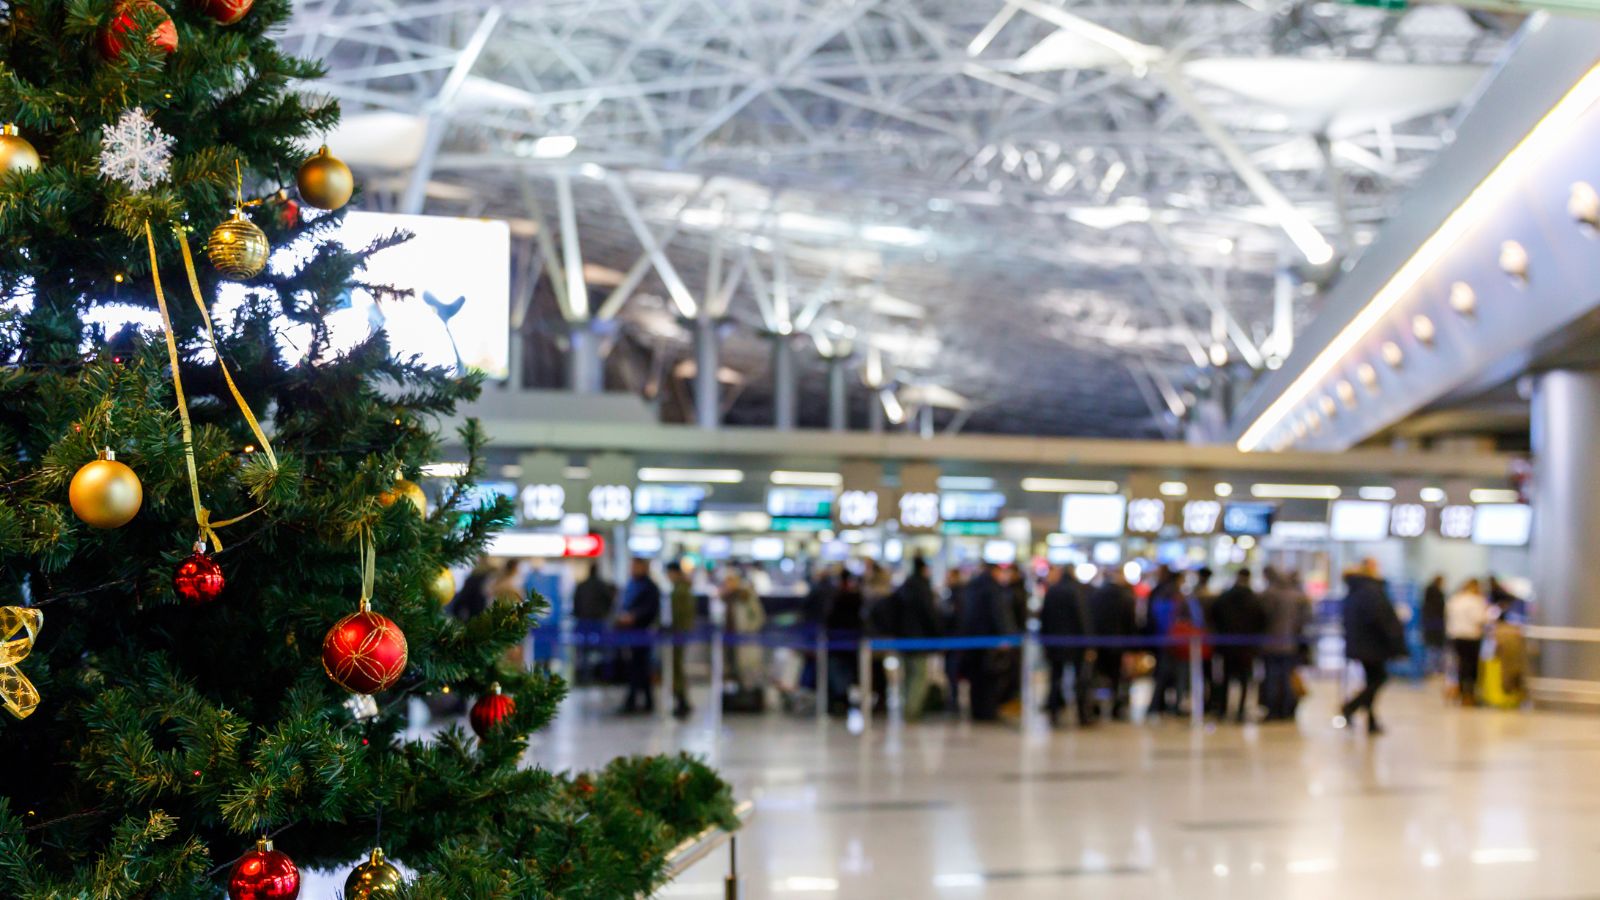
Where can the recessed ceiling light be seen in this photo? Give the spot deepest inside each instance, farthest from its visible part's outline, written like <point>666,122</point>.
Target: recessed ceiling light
<point>1514,260</point>
<point>1224,490</point>
<point>1584,204</point>
<point>1328,407</point>
<point>1393,355</point>
<point>1463,299</point>
<point>1367,374</point>
<point>1422,327</point>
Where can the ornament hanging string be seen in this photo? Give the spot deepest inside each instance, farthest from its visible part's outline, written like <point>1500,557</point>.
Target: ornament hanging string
<point>369,565</point>
<point>202,516</point>
<point>17,693</point>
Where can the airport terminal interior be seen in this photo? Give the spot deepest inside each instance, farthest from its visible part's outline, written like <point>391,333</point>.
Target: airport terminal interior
<point>904,448</point>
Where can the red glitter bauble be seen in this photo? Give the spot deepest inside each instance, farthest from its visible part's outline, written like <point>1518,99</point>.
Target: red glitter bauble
<point>491,710</point>
<point>264,874</point>
<point>364,652</point>
<point>114,38</point>
<point>198,579</point>
<point>225,12</point>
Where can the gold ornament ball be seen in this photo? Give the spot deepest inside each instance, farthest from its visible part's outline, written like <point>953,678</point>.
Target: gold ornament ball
<point>16,154</point>
<point>373,878</point>
<point>238,248</point>
<point>325,181</point>
<point>105,494</point>
<point>442,587</point>
<point>408,490</point>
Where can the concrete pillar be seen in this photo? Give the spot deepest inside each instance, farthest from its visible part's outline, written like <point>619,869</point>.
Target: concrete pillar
<point>925,420</point>
<point>838,396</point>
<point>785,387</point>
<point>707,392</point>
<point>586,371</point>
<point>1566,518</point>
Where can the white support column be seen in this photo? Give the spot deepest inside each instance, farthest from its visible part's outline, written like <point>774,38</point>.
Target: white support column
<point>585,366</point>
<point>785,386</point>
<point>838,395</point>
<point>1566,510</point>
<point>707,392</point>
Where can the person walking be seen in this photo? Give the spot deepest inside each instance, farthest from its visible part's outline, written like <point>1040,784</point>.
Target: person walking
<point>1160,617</point>
<point>914,615</point>
<point>1288,612</point>
<point>1239,621</point>
<point>1373,635</point>
<point>843,620</point>
<point>593,603</point>
<point>1433,628</point>
<point>1063,616</point>
<point>641,609</point>
<point>1466,614</point>
<point>1111,615</point>
<point>683,618</point>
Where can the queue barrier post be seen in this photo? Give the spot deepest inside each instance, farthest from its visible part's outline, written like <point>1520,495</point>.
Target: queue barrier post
<point>864,681</point>
<point>718,647</point>
<point>1028,689</point>
<point>822,676</point>
<point>1197,684</point>
<point>731,884</point>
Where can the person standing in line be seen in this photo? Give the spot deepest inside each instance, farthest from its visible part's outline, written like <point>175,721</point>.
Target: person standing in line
<point>1161,614</point>
<point>843,620</point>
<point>1112,615</point>
<point>746,618</point>
<point>1240,621</point>
<point>984,614</point>
<point>1063,616</point>
<point>1373,635</point>
<point>1466,614</point>
<point>1433,630</point>
<point>914,615</point>
<point>641,609</point>
<point>1288,611</point>
<point>683,618</point>
<point>593,602</point>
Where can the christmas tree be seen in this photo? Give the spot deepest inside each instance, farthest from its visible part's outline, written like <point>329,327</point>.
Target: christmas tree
<point>156,727</point>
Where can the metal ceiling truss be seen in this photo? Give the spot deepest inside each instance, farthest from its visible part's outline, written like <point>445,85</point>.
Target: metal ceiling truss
<point>917,179</point>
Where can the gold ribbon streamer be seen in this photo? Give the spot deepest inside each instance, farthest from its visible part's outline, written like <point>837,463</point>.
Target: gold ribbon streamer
<point>205,316</point>
<point>202,516</point>
<point>16,691</point>
<point>369,565</point>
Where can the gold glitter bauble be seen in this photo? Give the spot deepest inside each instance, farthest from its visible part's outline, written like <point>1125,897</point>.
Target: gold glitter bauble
<point>373,878</point>
<point>238,248</point>
<point>409,490</point>
<point>442,586</point>
<point>16,154</point>
<point>325,181</point>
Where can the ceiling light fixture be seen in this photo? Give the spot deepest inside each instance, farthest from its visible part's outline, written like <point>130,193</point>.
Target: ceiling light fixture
<point>965,483</point>
<point>1494,495</point>
<point>1367,374</point>
<point>1550,131</point>
<point>1174,489</point>
<point>1377,493</point>
<point>1422,328</point>
<point>1393,355</point>
<point>691,476</point>
<point>1223,490</point>
<point>1294,491</point>
<point>1583,204</point>
<point>1514,260</point>
<point>1068,486</point>
<point>1463,299</point>
<point>807,479</point>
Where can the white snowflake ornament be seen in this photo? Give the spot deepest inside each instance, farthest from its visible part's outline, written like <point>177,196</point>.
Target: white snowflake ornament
<point>135,152</point>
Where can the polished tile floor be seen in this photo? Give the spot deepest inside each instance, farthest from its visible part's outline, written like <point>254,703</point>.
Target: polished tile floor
<point>1457,803</point>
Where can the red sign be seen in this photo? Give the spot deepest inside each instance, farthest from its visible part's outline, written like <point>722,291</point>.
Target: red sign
<point>586,546</point>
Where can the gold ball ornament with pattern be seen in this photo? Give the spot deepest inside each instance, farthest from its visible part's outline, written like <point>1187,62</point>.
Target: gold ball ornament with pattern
<point>105,493</point>
<point>238,248</point>
<point>325,181</point>
<point>375,878</point>
<point>409,490</point>
<point>442,586</point>
<point>16,154</point>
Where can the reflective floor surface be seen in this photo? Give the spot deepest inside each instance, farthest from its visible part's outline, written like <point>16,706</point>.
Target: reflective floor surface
<point>1458,803</point>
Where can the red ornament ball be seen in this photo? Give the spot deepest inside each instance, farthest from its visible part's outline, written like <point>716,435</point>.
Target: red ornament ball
<point>364,652</point>
<point>289,213</point>
<point>225,12</point>
<point>198,579</point>
<point>491,711</point>
<point>125,25</point>
<point>264,874</point>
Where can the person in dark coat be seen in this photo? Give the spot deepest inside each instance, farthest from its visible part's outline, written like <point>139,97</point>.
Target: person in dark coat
<point>843,621</point>
<point>641,609</point>
<point>1112,615</point>
<point>1240,620</point>
<point>1162,613</point>
<point>1373,635</point>
<point>1433,623</point>
<point>594,601</point>
<point>1288,613</point>
<point>914,615</point>
<point>1063,616</point>
<point>985,612</point>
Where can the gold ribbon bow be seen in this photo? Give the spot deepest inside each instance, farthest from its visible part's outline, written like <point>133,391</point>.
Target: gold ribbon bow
<point>16,691</point>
